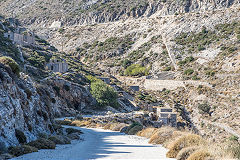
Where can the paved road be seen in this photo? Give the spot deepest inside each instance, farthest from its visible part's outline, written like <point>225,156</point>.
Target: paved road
<point>102,144</point>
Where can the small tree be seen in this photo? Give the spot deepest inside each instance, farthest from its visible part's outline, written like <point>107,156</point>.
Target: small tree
<point>104,94</point>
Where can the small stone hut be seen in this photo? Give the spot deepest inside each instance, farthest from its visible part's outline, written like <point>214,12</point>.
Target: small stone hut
<point>165,115</point>
<point>57,65</point>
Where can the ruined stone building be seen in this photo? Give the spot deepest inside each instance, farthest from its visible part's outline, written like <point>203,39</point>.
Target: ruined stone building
<point>57,66</point>
<point>165,116</point>
<point>19,35</point>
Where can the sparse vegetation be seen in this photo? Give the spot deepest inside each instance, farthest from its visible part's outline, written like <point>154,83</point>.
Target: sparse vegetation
<point>11,63</point>
<point>182,142</point>
<point>204,108</point>
<point>136,70</point>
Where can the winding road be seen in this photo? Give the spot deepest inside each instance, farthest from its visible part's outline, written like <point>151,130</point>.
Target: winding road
<point>101,144</point>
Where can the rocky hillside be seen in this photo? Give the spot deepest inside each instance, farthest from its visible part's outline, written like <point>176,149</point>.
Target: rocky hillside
<point>196,41</point>
<point>99,11</point>
<point>32,97</point>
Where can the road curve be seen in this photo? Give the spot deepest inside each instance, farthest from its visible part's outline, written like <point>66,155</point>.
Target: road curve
<point>101,144</point>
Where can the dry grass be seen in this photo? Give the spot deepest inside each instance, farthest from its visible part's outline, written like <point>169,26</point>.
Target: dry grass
<point>199,155</point>
<point>118,126</point>
<point>107,126</point>
<point>161,135</point>
<point>100,125</point>
<point>186,152</point>
<point>182,142</point>
<point>81,123</point>
<point>175,136</point>
<point>147,132</point>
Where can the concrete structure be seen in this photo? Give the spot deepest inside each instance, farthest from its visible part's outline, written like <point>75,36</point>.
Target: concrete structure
<point>105,79</point>
<point>165,115</point>
<point>134,88</point>
<point>57,66</point>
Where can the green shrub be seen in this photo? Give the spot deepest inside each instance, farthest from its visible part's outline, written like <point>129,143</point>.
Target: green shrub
<point>125,63</point>
<point>168,68</point>
<point>188,71</point>
<point>43,143</point>
<point>20,150</point>
<point>92,79</point>
<point>136,70</point>
<point>104,94</point>
<point>11,63</point>
<point>135,129</point>
<point>204,108</point>
<point>238,37</point>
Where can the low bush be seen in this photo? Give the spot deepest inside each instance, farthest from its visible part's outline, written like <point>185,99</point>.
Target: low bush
<point>73,130</point>
<point>82,123</point>
<point>11,63</point>
<point>136,70</point>
<point>118,126</point>
<point>204,108</point>
<point>199,155</point>
<point>186,152</point>
<point>73,136</point>
<point>63,122</point>
<point>182,142</point>
<point>107,126</point>
<point>161,135</point>
<point>135,129</point>
<point>57,139</point>
<point>147,132</point>
<point>233,148</point>
<point>188,71</point>
<point>20,150</point>
<point>43,143</point>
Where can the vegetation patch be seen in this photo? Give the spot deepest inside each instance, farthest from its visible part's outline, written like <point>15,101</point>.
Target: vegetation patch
<point>21,150</point>
<point>182,142</point>
<point>11,63</point>
<point>104,94</point>
<point>136,70</point>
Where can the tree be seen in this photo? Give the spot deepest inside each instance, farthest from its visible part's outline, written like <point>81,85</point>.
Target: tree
<point>104,94</point>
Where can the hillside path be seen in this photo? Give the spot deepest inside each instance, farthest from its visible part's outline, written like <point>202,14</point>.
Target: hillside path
<point>101,144</point>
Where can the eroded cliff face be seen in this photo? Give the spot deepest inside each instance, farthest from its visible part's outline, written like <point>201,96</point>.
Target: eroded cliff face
<point>27,109</point>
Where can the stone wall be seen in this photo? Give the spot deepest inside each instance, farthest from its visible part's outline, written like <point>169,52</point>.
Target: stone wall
<point>56,66</point>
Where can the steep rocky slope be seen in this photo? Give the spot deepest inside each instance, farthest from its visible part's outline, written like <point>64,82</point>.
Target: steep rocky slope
<point>99,11</point>
<point>31,97</point>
